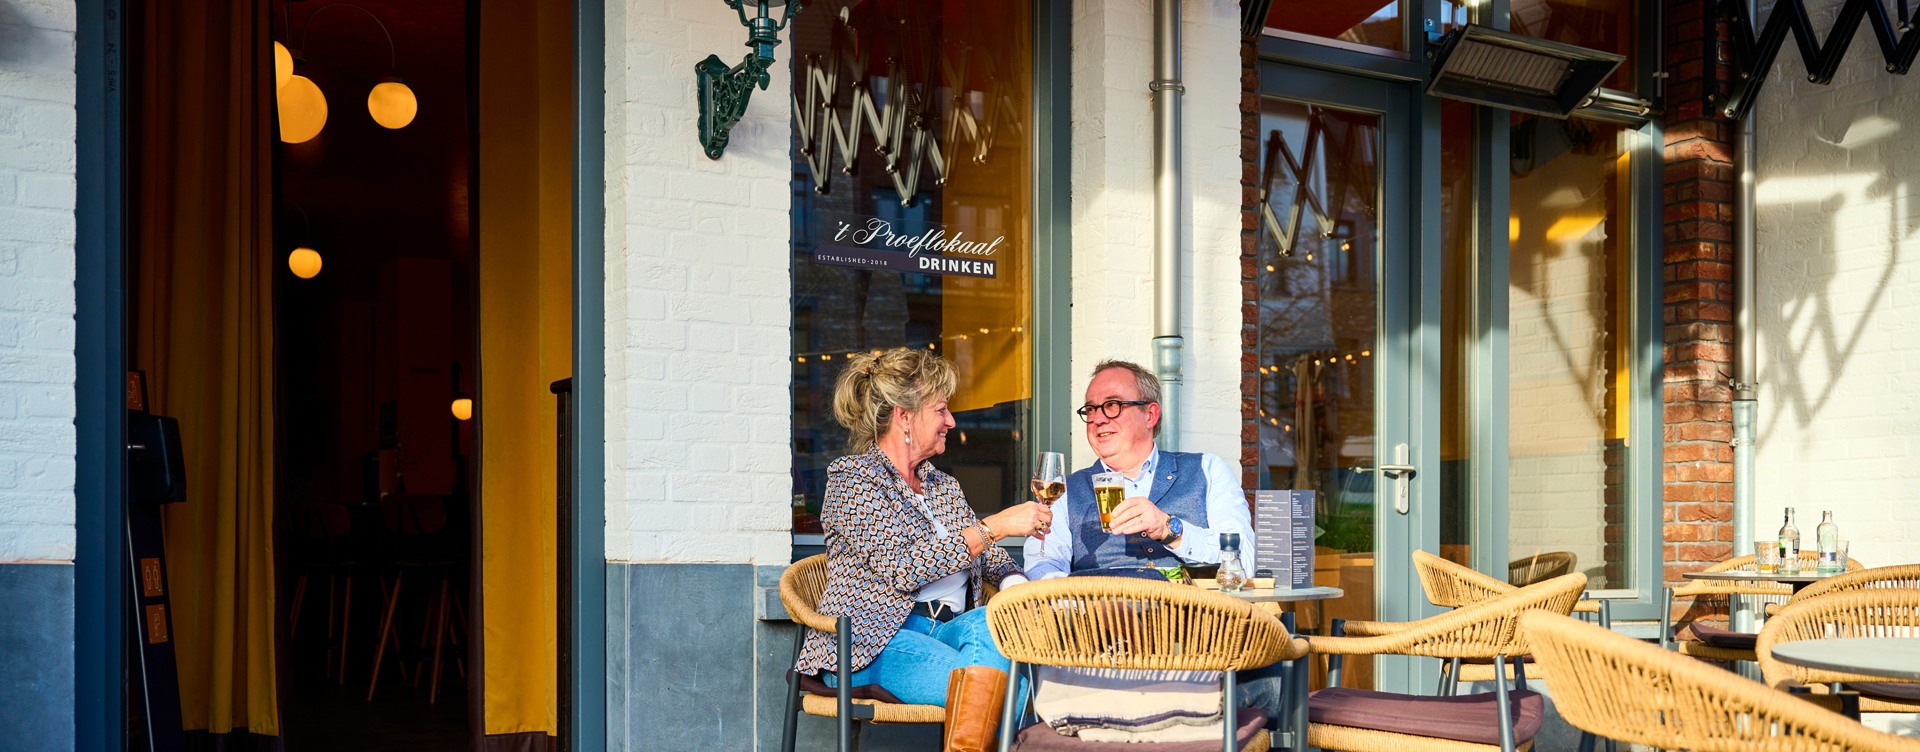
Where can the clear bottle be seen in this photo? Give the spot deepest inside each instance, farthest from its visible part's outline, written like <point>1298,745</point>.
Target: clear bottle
<point>1789,545</point>
<point>1827,536</point>
<point>1232,577</point>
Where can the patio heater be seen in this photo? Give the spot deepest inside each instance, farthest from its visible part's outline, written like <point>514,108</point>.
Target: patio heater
<point>1487,66</point>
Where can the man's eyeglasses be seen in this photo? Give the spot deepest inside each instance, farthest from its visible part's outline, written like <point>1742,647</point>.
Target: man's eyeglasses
<point>1109,408</point>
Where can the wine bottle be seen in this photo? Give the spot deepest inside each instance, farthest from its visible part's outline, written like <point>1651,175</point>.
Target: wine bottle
<point>1827,537</point>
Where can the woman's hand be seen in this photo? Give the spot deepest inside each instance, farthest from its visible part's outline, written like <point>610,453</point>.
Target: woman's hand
<point>1030,519</point>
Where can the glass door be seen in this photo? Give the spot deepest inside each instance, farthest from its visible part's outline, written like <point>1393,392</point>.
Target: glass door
<point>1340,344</point>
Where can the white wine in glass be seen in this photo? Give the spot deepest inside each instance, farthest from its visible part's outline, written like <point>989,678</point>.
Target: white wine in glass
<point>1050,477</point>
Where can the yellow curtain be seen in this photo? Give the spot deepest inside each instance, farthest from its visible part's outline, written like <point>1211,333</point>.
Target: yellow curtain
<point>526,249</point>
<point>202,327</point>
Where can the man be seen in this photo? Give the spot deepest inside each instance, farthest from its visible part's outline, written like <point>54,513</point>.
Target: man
<point>1177,504</point>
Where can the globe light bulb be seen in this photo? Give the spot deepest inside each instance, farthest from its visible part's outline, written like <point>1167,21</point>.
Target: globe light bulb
<point>463,408</point>
<point>282,66</point>
<point>303,110</point>
<point>305,262</point>
<point>392,104</point>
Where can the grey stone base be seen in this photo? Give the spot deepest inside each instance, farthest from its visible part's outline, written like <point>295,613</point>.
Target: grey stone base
<point>36,655</point>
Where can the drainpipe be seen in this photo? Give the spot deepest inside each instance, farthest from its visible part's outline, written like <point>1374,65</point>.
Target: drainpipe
<point>1168,346</point>
<point>1745,405</point>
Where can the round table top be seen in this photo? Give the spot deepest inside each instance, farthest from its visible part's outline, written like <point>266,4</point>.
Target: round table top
<point>1285,595</point>
<point>1889,657</point>
<point>1747,575</point>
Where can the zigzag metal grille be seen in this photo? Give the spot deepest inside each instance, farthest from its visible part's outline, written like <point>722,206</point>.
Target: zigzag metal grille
<point>901,129</point>
<point>1753,58</point>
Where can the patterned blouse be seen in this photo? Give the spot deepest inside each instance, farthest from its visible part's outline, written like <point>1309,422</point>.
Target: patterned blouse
<point>881,549</point>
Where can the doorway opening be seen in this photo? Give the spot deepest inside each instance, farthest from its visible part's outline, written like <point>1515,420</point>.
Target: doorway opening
<point>349,281</point>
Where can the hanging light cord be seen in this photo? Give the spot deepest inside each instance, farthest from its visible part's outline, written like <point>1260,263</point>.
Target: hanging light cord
<point>393,63</point>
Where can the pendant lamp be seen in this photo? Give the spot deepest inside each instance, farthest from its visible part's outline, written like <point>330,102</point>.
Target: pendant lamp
<point>303,108</point>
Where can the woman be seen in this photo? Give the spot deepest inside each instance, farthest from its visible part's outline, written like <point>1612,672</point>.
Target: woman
<point>906,557</point>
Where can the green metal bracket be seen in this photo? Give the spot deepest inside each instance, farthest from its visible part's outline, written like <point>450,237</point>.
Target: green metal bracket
<point>724,91</point>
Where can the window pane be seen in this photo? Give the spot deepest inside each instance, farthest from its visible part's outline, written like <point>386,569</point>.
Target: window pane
<point>912,223</point>
<point>1569,300</point>
<point>1606,25</point>
<point>1373,23</point>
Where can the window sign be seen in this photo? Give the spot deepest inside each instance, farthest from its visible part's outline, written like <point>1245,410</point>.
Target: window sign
<point>913,223</point>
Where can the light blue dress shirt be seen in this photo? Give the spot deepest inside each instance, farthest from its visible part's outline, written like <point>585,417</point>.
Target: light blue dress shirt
<point>1226,513</point>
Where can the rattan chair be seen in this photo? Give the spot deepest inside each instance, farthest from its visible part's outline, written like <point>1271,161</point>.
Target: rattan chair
<point>1450,585</point>
<point>1541,567</point>
<point>1359,720</point>
<point>1134,624</point>
<point>1854,613</point>
<point>1714,643</point>
<point>1625,689</point>
<point>800,589</point>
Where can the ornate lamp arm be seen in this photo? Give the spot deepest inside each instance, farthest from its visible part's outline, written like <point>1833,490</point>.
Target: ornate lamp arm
<point>724,91</point>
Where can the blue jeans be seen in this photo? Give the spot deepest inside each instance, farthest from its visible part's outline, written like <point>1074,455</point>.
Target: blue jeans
<point>915,663</point>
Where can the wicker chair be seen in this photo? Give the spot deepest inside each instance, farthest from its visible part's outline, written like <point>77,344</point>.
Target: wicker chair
<point>1133,624</point>
<point>1541,567</point>
<point>1451,585</point>
<point>1714,643</point>
<point>800,589</point>
<point>1856,613</point>
<point>1366,721</point>
<point>1625,689</point>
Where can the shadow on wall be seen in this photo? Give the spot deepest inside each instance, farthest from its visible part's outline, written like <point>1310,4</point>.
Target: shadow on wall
<point>1829,245</point>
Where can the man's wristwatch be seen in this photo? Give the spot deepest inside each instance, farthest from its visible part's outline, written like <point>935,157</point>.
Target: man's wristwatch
<point>1174,529</point>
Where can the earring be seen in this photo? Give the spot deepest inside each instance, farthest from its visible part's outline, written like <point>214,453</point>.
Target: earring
<point>906,432</point>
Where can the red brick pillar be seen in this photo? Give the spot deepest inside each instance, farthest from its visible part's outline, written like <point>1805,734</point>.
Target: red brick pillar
<point>1698,301</point>
<point>1249,251</point>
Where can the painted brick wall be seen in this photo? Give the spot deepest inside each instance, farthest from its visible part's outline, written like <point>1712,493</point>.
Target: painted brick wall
<point>1112,180</point>
<point>1698,308</point>
<point>698,311</point>
<point>36,280</point>
<point>1838,310</point>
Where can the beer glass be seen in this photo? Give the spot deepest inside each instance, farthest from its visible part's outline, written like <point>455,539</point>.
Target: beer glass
<point>1050,477</point>
<point>1109,489</point>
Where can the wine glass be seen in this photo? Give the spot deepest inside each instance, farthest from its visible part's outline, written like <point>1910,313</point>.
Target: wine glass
<point>1050,477</point>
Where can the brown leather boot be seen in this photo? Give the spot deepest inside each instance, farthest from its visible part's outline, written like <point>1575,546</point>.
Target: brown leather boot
<point>974,698</point>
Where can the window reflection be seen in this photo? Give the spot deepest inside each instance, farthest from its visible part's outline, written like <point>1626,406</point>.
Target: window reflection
<point>1372,23</point>
<point>1569,328</point>
<point>911,143</point>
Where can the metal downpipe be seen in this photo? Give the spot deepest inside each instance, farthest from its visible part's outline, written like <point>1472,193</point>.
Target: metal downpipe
<point>1168,345</point>
<point>1746,408</point>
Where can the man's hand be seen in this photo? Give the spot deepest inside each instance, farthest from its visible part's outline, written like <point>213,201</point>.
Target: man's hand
<point>1137,514</point>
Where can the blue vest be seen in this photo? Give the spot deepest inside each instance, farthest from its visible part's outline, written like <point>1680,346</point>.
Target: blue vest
<point>1179,489</point>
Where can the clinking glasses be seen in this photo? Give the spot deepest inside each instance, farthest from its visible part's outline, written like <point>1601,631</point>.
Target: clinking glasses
<point>1109,408</point>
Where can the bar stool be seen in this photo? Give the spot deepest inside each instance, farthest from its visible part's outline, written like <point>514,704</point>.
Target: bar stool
<point>325,545</point>
<point>417,542</point>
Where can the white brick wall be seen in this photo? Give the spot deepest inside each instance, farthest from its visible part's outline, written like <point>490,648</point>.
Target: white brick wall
<point>36,280</point>
<point>1112,132</point>
<point>1838,310</point>
<point>698,310</point>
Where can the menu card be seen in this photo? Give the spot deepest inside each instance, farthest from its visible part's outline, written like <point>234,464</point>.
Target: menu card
<point>1283,537</point>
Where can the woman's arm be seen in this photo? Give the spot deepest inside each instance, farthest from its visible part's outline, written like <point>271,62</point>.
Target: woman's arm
<point>858,506</point>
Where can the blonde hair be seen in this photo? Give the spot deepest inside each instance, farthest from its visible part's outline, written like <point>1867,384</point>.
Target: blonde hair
<point>874,383</point>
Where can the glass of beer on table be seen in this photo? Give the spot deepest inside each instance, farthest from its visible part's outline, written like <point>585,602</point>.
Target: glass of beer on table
<point>1050,477</point>
<point>1109,489</point>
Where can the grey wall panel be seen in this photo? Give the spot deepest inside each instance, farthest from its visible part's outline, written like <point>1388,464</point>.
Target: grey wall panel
<point>36,654</point>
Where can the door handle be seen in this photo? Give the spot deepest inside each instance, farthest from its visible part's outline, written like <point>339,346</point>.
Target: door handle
<point>1400,472</point>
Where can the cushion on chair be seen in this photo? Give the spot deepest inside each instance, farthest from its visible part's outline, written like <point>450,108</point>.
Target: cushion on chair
<point>1890,690</point>
<point>1467,718</point>
<point>1725,638</point>
<point>1041,738</point>
<point>812,685</point>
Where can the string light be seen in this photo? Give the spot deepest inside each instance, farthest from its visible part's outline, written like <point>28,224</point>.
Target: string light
<point>1269,267</point>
